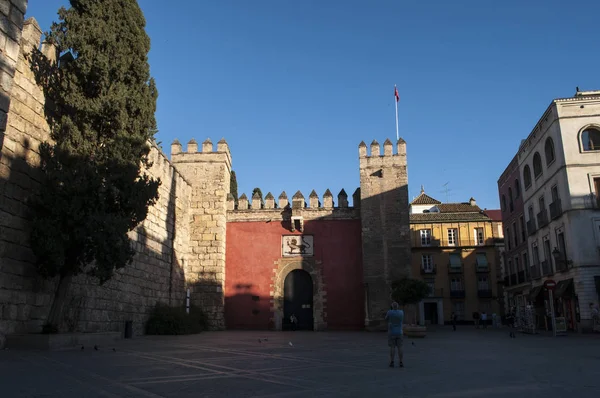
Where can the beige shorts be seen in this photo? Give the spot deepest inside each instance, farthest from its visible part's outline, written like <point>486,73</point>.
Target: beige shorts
<point>395,341</point>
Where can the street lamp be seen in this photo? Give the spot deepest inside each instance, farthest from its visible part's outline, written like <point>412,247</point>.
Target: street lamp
<point>556,253</point>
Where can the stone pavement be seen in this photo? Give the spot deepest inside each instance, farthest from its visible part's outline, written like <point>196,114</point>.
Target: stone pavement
<point>466,363</point>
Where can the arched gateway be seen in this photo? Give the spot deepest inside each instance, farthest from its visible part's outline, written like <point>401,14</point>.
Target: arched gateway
<point>298,288</point>
<point>298,300</point>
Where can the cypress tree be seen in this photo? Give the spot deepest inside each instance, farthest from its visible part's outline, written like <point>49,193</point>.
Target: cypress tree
<point>233,188</point>
<point>100,105</point>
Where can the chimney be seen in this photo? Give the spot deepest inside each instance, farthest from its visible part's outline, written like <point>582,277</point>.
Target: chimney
<point>472,202</point>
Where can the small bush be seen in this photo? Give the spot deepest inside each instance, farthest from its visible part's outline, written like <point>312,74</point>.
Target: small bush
<point>166,320</point>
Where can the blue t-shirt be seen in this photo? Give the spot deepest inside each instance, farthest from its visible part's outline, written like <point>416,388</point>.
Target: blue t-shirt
<point>395,319</point>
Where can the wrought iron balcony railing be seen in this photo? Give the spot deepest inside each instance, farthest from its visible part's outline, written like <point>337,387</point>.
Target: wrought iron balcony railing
<point>555,209</point>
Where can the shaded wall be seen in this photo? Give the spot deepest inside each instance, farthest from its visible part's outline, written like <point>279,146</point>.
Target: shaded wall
<point>254,248</point>
<point>156,274</point>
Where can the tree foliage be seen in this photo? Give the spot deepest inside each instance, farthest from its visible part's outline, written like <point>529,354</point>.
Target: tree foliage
<point>408,291</point>
<point>100,107</point>
<point>257,190</point>
<point>233,187</point>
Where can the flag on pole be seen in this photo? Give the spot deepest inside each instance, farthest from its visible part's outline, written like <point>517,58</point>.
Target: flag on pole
<point>396,94</point>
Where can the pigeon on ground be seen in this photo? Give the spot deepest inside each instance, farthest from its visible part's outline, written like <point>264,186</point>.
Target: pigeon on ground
<point>290,343</point>
<point>114,350</point>
<point>82,347</point>
<point>96,347</point>
<point>412,342</point>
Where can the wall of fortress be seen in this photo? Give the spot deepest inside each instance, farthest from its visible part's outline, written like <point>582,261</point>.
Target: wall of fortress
<point>256,266</point>
<point>162,240</point>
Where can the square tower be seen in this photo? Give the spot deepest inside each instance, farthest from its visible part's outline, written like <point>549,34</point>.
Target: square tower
<point>385,225</point>
<point>209,174</point>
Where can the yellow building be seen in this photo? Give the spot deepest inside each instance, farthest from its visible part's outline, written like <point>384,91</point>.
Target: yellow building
<point>455,249</point>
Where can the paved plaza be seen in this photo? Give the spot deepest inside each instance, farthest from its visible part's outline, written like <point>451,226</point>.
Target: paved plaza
<point>466,363</point>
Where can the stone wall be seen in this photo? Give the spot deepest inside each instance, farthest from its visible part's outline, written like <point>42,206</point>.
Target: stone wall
<point>11,25</point>
<point>210,172</point>
<point>385,224</point>
<point>157,273</point>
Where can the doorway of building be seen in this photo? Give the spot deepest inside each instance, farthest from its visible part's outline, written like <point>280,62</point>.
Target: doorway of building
<point>298,300</point>
<point>431,313</point>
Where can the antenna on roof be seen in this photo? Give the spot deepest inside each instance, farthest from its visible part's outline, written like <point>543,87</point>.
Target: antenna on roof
<point>446,190</point>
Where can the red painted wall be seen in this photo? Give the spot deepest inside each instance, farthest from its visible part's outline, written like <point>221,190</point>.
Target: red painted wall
<point>253,248</point>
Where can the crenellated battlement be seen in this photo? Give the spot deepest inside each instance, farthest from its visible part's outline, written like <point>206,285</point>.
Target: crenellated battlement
<point>254,209</point>
<point>204,153</point>
<point>374,158</point>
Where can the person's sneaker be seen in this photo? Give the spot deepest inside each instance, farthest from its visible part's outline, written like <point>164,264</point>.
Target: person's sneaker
<point>391,364</point>
<point>401,365</point>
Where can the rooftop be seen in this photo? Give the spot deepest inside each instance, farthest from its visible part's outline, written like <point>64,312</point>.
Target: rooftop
<point>447,212</point>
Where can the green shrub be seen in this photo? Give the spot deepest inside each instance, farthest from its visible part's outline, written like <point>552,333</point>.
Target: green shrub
<point>166,320</point>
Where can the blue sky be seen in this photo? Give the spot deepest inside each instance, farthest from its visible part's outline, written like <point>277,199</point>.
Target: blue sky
<point>294,86</point>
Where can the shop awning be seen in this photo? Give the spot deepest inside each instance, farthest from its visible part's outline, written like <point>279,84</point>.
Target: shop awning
<point>535,292</point>
<point>562,287</point>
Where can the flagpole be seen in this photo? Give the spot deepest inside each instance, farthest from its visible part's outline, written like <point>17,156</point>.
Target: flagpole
<point>396,101</point>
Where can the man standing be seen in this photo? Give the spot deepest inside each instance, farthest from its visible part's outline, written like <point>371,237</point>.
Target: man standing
<point>395,317</point>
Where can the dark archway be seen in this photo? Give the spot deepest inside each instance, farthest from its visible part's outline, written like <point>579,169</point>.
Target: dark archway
<point>298,299</point>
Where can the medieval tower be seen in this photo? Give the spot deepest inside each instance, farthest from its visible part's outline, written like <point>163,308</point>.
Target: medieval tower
<point>209,174</point>
<point>385,224</point>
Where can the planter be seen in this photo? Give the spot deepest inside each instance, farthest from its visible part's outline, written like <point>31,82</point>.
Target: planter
<point>414,331</point>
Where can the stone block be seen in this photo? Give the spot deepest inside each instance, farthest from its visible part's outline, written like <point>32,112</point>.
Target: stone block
<point>20,4</point>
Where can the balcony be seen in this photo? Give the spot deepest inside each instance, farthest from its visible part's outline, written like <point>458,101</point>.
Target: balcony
<point>542,218</point>
<point>555,209</point>
<point>455,268</point>
<point>484,293</point>
<point>430,270</point>
<point>535,271</point>
<point>546,268</point>
<point>531,228</point>
<point>458,293</point>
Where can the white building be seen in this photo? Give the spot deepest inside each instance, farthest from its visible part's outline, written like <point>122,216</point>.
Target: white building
<point>559,164</point>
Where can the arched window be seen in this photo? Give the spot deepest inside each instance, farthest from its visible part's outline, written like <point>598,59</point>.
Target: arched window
<point>549,150</point>
<point>590,139</point>
<point>517,188</point>
<point>527,176</point>
<point>511,205</point>
<point>537,165</point>
<point>503,203</point>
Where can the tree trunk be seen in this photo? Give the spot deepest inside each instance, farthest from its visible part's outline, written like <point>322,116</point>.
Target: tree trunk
<point>415,313</point>
<point>60,295</point>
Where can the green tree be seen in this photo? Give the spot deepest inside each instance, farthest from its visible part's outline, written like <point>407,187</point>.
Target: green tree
<point>407,291</point>
<point>233,188</point>
<point>259,192</point>
<point>100,105</point>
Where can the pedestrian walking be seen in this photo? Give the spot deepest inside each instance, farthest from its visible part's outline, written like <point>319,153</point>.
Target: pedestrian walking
<point>484,319</point>
<point>453,317</point>
<point>294,321</point>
